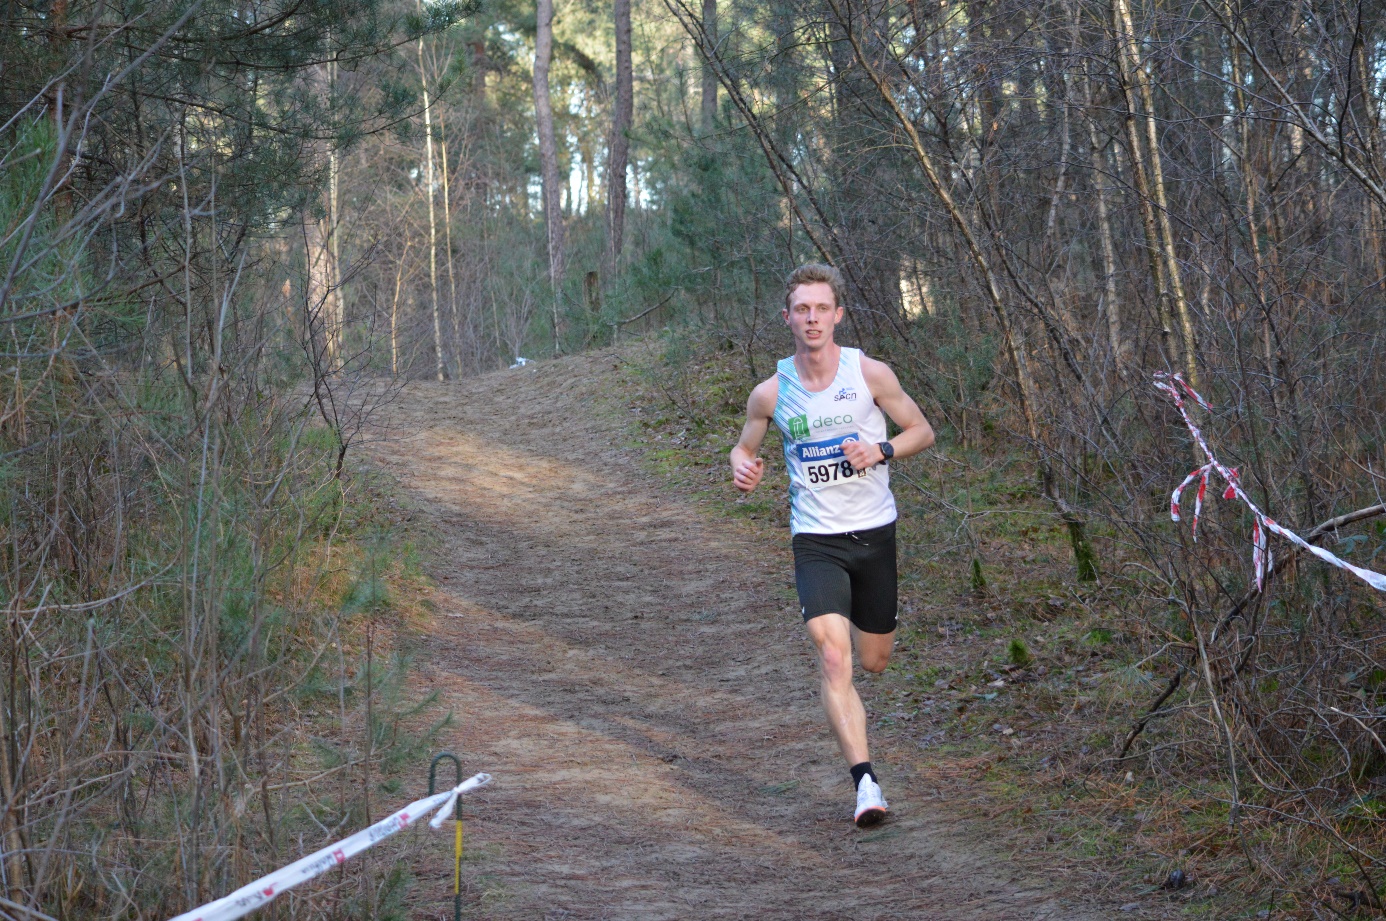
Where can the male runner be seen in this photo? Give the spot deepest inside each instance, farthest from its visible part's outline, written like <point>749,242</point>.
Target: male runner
<point>827,401</point>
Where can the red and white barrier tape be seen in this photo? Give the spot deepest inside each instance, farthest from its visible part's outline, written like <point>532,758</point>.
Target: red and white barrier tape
<point>1176,388</point>
<point>248,898</point>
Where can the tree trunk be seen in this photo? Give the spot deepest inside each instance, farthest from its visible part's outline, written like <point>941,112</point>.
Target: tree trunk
<point>1111,307</point>
<point>1138,173</point>
<point>592,294</point>
<point>709,100</point>
<point>320,239</point>
<point>1134,75</point>
<point>548,153</point>
<point>478,49</point>
<point>447,244</point>
<point>335,309</point>
<point>619,157</point>
<point>432,221</point>
<point>1245,166</point>
<point>10,819</point>
<point>336,314</point>
<point>394,313</point>
<point>1063,94</point>
<point>322,300</point>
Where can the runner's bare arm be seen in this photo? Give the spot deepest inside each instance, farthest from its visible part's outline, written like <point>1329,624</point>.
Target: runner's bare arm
<point>747,468</point>
<point>915,432</point>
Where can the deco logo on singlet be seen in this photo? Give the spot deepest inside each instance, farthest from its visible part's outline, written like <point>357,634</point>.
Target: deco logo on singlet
<point>800,428</point>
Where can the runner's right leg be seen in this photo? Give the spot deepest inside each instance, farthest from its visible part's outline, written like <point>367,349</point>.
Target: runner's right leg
<point>832,634</point>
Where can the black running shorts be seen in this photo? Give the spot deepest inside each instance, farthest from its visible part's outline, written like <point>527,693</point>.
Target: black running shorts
<point>851,574</point>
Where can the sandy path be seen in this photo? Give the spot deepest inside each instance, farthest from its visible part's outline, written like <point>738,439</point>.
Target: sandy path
<point>631,671</point>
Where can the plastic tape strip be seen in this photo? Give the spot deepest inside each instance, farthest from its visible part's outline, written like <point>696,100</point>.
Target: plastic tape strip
<point>248,898</point>
<point>1176,388</point>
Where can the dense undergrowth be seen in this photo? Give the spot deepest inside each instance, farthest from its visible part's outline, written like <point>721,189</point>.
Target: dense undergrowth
<point>203,680</point>
<point>1022,686</point>
<point>200,679</point>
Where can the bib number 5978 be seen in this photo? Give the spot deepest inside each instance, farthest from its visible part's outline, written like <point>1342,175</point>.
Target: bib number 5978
<point>831,473</point>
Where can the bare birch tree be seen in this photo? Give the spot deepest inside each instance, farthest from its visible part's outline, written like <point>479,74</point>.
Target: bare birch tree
<point>548,155</point>
<point>1147,165</point>
<point>430,194</point>
<point>454,308</point>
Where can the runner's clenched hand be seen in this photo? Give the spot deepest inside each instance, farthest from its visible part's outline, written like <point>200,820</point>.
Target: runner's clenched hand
<point>747,474</point>
<point>861,454</point>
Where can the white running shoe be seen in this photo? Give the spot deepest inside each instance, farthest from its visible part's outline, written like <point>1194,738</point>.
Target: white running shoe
<point>871,805</point>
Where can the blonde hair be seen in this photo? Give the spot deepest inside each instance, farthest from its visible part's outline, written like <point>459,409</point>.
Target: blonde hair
<point>814,273</point>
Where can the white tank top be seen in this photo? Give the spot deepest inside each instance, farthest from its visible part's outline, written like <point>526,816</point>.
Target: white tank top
<point>826,496</point>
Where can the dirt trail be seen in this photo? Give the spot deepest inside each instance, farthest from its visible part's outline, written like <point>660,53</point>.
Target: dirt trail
<point>633,673</point>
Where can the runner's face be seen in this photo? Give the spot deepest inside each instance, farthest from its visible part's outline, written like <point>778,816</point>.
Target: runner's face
<point>812,313</point>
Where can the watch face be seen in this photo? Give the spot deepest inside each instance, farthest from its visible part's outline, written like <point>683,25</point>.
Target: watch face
<point>887,449</point>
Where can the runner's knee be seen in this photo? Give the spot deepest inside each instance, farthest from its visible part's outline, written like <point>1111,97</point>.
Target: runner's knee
<point>837,662</point>
<point>875,662</point>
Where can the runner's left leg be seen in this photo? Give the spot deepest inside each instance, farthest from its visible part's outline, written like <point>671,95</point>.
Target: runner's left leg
<point>874,649</point>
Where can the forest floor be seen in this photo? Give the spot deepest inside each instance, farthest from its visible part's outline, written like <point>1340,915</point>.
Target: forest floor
<point>626,660</point>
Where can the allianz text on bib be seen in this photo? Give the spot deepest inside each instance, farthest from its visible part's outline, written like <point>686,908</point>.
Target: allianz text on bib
<point>825,464</point>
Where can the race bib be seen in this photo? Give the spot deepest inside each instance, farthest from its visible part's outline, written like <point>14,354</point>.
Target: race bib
<point>825,465</point>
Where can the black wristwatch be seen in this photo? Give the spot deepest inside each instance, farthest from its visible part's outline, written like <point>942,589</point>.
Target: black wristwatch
<point>887,449</point>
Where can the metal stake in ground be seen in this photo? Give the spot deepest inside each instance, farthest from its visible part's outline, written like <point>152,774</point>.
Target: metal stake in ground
<point>457,843</point>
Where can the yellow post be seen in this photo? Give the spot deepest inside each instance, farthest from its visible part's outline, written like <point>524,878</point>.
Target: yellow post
<point>457,816</point>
